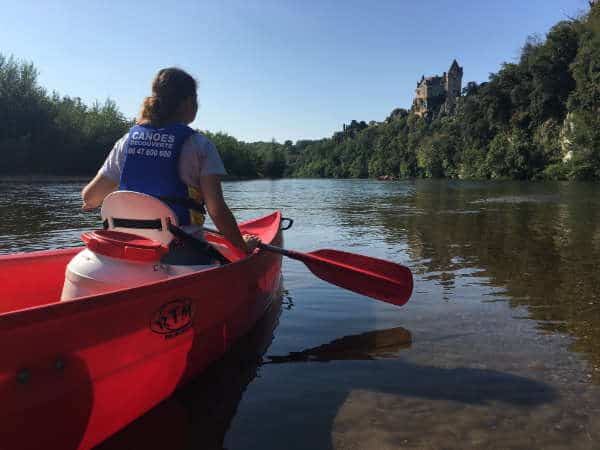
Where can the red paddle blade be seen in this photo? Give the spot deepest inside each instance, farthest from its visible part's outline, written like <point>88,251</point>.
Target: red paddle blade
<point>373,277</point>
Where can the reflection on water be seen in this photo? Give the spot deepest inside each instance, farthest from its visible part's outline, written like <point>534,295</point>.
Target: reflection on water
<point>499,346</point>
<point>540,243</point>
<point>37,215</point>
<point>369,345</point>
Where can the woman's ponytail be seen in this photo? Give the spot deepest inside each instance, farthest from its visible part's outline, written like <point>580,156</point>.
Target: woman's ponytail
<point>169,88</point>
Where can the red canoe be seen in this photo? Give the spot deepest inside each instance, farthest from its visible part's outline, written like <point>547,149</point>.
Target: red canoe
<point>73,373</point>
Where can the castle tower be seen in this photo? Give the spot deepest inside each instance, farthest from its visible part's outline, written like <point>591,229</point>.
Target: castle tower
<point>454,80</point>
<point>453,84</point>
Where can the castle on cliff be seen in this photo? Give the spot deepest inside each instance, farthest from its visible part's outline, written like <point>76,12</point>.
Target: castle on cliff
<point>437,93</point>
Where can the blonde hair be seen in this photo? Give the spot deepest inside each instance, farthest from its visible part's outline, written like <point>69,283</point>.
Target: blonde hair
<point>170,87</point>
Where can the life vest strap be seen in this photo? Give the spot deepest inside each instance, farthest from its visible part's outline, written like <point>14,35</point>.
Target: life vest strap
<point>188,203</point>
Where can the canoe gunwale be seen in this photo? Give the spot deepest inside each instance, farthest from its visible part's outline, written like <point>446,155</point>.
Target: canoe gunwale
<point>46,311</point>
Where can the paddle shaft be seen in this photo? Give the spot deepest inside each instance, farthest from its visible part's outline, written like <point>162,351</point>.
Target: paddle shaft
<point>281,251</point>
<point>376,278</point>
<point>198,244</point>
<point>261,245</point>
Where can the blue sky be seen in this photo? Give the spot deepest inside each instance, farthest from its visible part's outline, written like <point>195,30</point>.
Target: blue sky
<point>271,69</point>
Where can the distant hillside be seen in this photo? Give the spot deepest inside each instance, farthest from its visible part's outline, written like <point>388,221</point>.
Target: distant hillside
<point>538,118</point>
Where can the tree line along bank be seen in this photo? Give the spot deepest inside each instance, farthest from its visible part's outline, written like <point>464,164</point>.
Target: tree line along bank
<point>538,118</point>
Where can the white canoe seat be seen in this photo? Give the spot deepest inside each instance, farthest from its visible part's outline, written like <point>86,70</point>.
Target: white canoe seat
<point>137,213</point>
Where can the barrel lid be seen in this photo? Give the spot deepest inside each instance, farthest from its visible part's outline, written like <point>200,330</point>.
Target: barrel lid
<point>117,244</point>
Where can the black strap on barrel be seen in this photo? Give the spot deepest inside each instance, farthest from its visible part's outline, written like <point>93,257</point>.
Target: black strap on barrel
<point>138,224</point>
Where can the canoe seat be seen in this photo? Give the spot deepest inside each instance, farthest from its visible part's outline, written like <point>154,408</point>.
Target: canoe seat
<point>137,213</point>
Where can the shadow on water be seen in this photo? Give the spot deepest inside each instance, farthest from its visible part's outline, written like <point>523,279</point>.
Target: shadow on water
<point>314,402</point>
<point>467,385</point>
<point>200,415</point>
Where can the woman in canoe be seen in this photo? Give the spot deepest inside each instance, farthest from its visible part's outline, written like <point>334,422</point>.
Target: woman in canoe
<point>162,156</point>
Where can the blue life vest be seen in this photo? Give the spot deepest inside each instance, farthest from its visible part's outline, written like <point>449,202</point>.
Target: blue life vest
<point>152,165</point>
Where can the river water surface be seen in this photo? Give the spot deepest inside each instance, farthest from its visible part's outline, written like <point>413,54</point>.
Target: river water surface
<point>499,346</point>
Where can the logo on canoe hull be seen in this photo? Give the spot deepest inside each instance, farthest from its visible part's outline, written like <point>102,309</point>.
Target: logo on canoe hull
<point>173,318</point>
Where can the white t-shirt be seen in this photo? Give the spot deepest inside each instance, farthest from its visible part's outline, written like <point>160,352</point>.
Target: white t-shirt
<point>199,157</point>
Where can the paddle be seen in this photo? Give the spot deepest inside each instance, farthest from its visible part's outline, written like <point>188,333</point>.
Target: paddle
<point>373,277</point>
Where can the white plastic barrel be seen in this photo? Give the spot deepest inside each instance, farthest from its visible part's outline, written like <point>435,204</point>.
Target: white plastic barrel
<point>122,257</point>
<point>91,273</point>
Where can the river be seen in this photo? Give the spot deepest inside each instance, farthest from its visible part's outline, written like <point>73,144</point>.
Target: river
<point>499,346</point>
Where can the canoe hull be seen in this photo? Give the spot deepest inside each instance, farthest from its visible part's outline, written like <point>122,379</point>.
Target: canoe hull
<point>74,373</point>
